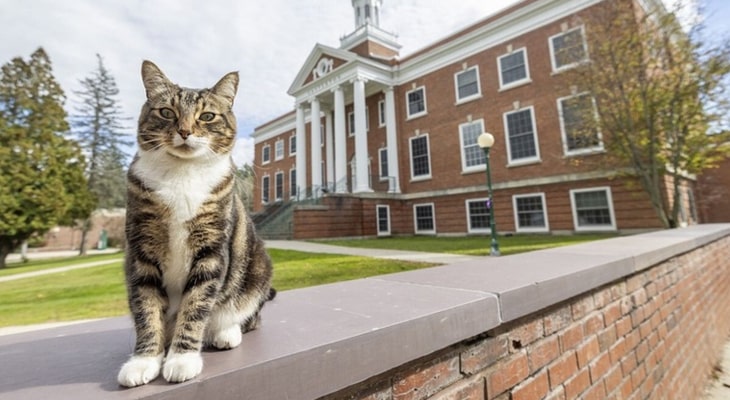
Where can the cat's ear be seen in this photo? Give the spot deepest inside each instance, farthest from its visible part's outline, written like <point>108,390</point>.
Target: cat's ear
<point>227,87</point>
<point>155,82</point>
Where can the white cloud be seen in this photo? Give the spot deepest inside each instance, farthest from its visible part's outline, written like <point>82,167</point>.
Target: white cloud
<point>195,43</point>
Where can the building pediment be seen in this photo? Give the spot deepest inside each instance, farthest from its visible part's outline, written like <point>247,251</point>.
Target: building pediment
<point>322,61</point>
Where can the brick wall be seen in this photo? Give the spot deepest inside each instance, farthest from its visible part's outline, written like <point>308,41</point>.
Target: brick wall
<point>652,335</point>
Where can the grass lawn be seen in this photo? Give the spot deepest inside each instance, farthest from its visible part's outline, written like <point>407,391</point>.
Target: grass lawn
<point>100,292</point>
<point>470,245</point>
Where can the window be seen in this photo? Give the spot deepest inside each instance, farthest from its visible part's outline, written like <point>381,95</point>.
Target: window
<point>265,189</point>
<point>279,150</point>
<point>477,215</point>
<point>467,84</point>
<point>416,102</point>
<point>383,162</point>
<point>279,186</point>
<point>472,156</point>
<point>567,49</point>
<point>577,121</point>
<point>592,209</point>
<point>266,154</point>
<point>420,160</point>
<point>521,136</point>
<point>351,122</point>
<point>383,217</point>
<point>423,218</point>
<point>381,113</point>
<point>530,212</point>
<point>513,69</point>
<point>293,183</point>
<point>292,145</point>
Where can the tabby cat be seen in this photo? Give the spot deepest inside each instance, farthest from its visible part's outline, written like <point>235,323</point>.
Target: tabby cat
<point>196,272</point>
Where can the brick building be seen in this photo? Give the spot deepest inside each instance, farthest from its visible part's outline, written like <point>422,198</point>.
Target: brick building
<point>388,144</point>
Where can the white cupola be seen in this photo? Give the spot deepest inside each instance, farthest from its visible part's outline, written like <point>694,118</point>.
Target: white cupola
<point>367,12</point>
<point>369,39</point>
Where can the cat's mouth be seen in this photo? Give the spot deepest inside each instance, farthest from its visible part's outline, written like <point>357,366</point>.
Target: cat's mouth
<point>184,150</point>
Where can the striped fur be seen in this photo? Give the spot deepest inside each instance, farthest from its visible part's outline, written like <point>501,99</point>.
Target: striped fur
<point>196,272</point>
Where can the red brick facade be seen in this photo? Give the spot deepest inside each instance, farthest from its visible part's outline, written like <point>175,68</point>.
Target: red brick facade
<point>652,335</point>
<point>550,175</point>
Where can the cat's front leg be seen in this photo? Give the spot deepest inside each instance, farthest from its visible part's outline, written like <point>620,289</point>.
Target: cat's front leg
<point>183,360</point>
<point>148,304</point>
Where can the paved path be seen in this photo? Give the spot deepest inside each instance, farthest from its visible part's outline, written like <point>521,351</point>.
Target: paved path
<point>56,270</point>
<point>720,389</point>
<point>435,258</point>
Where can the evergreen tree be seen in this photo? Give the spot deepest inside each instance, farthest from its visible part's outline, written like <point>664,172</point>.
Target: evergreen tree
<point>43,182</point>
<point>98,129</point>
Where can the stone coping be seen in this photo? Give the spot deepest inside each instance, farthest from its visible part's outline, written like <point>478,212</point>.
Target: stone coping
<point>318,340</point>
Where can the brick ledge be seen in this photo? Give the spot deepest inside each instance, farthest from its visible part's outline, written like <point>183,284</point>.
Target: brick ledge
<point>318,340</point>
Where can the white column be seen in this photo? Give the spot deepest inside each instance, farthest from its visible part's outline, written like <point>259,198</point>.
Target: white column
<point>329,149</point>
<point>362,183</point>
<point>340,142</point>
<point>316,142</point>
<point>391,138</point>
<point>301,154</point>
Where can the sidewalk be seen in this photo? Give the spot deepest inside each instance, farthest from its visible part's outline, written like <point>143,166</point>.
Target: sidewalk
<point>417,256</point>
<point>720,388</point>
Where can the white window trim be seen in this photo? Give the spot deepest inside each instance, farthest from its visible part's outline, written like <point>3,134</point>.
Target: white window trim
<point>410,159</point>
<point>294,139</point>
<point>277,155</point>
<point>351,126</point>
<point>292,183</point>
<point>515,197</point>
<point>381,114</point>
<point>475,96</point>
<point>268,192</point>
<point>464,167</point>
<point>609,198</point>
<point>415,219</point>
<point>380,164</point>
<point>531,160</point>
<point>263,153</point>
<point>468,216</point>
<point>564,136</point>
<point>425,104</point>
<point>377,219</point>
<point>557,69</point>
<point>520,82</point>
<point>283,185</point>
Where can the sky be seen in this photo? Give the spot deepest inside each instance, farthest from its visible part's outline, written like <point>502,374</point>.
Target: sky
<point>195,43</point>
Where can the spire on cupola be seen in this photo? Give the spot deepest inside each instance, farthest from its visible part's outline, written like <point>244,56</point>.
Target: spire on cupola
<point>367,12</point>
<point>368,39</point>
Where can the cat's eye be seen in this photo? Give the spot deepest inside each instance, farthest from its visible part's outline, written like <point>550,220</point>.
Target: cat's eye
<point>206,116</point>
<point>167,113</point>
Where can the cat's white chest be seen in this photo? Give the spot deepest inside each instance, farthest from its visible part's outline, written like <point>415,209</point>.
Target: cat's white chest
<point>183,186</point>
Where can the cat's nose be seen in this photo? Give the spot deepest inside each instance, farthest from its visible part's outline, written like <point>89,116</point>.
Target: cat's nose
<point>184,133</point>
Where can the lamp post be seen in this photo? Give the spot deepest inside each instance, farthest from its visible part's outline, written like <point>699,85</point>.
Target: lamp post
<point>485,141</point>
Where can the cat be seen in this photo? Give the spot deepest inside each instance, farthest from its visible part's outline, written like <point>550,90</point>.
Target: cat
<point>196,272</point>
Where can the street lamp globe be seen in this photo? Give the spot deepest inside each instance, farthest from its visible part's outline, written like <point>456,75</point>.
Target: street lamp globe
<point>485,140</point>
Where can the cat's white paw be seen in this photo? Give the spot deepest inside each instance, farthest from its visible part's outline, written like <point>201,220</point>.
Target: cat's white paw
<point>228,338</point>
<point>179,367</point>
<point>139,370</point>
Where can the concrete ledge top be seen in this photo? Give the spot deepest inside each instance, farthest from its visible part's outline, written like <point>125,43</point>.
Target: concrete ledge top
<point>318,340</point>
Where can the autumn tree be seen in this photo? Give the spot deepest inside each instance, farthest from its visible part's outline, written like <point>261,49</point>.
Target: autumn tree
<point>98,128</point>
<point>43,182</point>
<point>659,93</point>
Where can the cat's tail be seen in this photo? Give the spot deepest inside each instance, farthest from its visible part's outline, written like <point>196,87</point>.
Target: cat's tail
<point>272,294</point>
